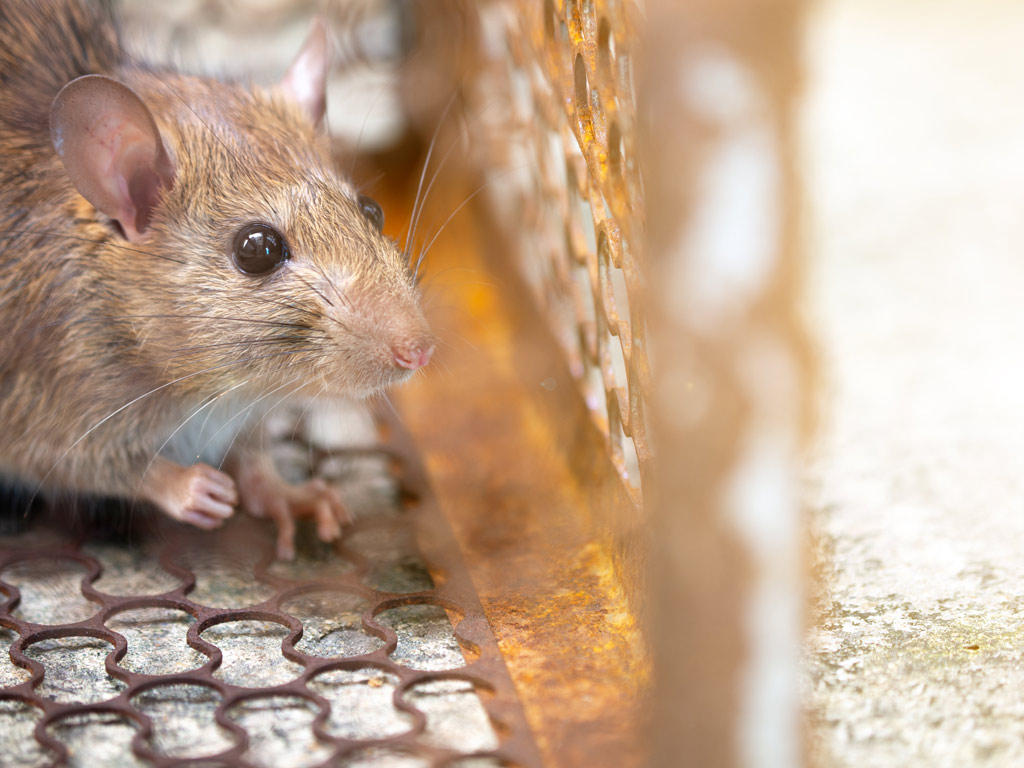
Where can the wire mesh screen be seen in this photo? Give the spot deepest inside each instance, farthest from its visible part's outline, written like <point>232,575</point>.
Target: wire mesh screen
<point>560,90</point>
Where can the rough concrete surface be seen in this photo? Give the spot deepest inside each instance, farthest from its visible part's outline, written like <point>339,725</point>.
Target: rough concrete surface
<point>914,142</point>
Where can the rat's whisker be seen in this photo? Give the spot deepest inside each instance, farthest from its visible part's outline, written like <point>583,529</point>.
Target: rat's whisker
<point>309,443</point>
<point>309,285</point>
<point>462,205</point>
<point>286,305</point>
<point>341,297</point>
<point>370,183</point>
<point>302,415</point>
<point>102,331</point>
<point>383,397</point>
<point>259,421</point>
<point>187,351</point>
<point>243,412</point>
<point>428,282</point>
<point>463,138</point>
<point>206,419</point>
<point>106,320</point>
<point>418,215</point>
<point>426,161</point>
<point>288,395</point>
<point>464,340</point>
<point>129,404</point>
<point>253,320</point>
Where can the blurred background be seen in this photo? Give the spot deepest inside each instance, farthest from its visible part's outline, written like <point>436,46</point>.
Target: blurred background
<point>912,157</point>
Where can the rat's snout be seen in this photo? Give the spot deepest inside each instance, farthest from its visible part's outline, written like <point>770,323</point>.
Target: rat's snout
<point>381,335</point>
<point>412,354</point>
<point>410,345</point>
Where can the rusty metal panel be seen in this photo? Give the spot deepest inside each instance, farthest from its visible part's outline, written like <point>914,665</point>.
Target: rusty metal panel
<point>569,197</point>
<point>546,573</point>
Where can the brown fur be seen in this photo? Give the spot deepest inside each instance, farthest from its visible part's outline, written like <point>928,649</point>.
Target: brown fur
<point>92,322</point>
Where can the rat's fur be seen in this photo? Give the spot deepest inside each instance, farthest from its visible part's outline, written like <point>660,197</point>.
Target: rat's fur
<point>92,323</point>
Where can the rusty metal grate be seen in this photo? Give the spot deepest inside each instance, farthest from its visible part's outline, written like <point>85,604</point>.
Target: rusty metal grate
<point>575,198</point>
<point>275,589</point>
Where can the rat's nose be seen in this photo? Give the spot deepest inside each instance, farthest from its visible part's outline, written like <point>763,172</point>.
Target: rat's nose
<point>412,356</point>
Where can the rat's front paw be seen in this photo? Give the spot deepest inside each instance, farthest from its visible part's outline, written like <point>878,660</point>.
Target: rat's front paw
<point>199,495</point>
<point>264,494</point>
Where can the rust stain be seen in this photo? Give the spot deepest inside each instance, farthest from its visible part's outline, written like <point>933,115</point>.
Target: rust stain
<point>542,562</point>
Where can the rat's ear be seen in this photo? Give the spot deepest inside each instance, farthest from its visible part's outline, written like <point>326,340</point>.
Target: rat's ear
<point>306,78</point>
<point>111,150</point>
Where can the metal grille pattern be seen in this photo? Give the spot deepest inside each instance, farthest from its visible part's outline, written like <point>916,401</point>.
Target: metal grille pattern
<point>568,80</point>
<point>416,516</point>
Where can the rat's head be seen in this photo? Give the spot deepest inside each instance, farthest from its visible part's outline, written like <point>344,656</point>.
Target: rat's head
<point>248,257</point>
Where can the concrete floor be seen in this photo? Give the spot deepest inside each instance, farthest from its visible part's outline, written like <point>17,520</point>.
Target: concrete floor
<point>915,177</point>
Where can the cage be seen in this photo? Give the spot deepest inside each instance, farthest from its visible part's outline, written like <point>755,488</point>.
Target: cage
<point>578,538</point>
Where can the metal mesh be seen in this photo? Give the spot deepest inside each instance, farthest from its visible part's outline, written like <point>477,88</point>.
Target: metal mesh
<point>568,182</point>
<point>271,647</point>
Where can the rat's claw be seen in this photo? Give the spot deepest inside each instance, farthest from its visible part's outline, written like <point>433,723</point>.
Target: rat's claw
<point>209,492</point>
<point>327,527</point>
<point>213,508</point>
<point>264,493</point>
<point>333,499</point>
<point>199,495</point>
<point>218,485</point>
<point>282,517</point>
<point>199,520</point>
<point>317,499</point>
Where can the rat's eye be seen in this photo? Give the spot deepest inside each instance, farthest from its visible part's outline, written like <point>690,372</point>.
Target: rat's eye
<point>371,210</point>
<point>258,249</point>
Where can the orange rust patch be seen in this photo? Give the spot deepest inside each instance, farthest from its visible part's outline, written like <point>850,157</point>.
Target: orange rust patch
<point>546,565</point>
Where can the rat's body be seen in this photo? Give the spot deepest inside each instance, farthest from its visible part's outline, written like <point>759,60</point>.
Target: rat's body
<point>126,310</point>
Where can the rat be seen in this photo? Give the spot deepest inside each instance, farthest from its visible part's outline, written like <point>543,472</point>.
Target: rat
<point>179,254</point>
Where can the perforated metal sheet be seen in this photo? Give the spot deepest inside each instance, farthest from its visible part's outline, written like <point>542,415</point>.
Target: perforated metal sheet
<point>566,180</point>
<point>383,652</point>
